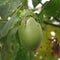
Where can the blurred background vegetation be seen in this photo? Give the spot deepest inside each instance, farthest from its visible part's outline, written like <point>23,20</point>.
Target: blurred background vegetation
<point>47,13</point>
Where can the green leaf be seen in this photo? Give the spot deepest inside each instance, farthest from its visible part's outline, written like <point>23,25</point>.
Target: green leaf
<point>24,3</point>
<point>9,25</point>
<point>8,8</point>
<point>3,2</point>
<point>2,23</point>
<point>10,46</point>
<point>51,8</point>
<point>36,2</point>
<point>21,54</point>
<point>4,10</point>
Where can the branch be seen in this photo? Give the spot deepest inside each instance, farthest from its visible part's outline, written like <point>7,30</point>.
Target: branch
<point>49,23</point>
<point>56,19</point>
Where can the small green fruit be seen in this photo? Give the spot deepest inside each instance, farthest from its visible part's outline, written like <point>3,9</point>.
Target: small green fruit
<point>30,33</point>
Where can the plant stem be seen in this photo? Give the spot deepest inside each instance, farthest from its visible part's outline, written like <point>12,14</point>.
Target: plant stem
<point>30,55</point>
<point>49,23</point>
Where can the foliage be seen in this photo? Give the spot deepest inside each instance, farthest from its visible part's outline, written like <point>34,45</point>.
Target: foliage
<point>11,14</point>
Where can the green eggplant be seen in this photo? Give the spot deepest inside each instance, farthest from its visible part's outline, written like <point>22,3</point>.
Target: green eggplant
<point>30,33</point>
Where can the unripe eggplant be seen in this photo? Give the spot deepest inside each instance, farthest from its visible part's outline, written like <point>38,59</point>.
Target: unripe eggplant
<point>30,33</point>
